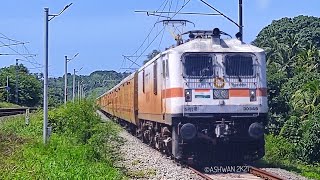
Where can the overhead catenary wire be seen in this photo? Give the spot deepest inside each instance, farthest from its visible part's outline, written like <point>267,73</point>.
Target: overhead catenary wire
<point>204,2</point>
<point>23,55</point>
<point>15,44</point>
<point>185,3</point>
<point>161,40</point>
<point>16,41</point>
<point>164,4</point>
<point>7,38</point>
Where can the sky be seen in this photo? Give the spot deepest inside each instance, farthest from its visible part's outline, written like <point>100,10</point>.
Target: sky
<point>102,31</point>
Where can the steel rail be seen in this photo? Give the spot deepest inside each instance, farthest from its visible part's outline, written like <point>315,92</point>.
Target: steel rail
<point>264,174</point>
<point>200,173</point>
<point>252,170</point>
<point>14,111</point>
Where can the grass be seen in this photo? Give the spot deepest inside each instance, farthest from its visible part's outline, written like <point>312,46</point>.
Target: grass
<point>8,105</point>
<point>146,173</point>
<point>279,154</point>
<point>80,147</point>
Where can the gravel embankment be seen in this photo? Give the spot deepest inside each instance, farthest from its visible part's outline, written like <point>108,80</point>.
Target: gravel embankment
<point>285,174</point>
<point>142,162</point>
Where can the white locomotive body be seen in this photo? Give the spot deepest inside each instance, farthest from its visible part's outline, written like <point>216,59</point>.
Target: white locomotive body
<point>202,100</point>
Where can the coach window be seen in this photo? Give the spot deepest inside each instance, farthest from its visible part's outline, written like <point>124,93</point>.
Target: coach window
<point>143,81</point>
<point>155,83</point>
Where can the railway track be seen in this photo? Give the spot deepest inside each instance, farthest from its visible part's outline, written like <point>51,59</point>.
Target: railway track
<point>14,111</point>
<point>253,174</point>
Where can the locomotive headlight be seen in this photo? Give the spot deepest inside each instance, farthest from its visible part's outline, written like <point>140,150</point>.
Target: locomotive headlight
<point>256,130</point>
<point>188,95</point>
<point>253,94</point>
<point>220,94</point>
<point>188,131</point>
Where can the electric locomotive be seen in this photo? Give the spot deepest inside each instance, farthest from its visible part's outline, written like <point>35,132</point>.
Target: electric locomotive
<point>201,101</point>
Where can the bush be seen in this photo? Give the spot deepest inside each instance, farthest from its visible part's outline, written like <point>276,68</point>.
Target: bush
<point>77,119</point>
<point>309,146</point>
<point>292,130</point>
<point>278,149</point>
<point>80,147</point>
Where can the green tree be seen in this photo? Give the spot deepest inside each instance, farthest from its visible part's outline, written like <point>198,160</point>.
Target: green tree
<point>151,55</point>
<point>307,98</point>
<point>292,49</point>
<point>30,89</point>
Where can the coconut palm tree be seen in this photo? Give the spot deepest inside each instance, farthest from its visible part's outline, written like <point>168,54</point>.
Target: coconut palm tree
<point>307,99</point>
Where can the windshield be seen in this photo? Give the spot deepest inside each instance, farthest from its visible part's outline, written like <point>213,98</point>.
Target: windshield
<point>239,65</point>
<point>198,65</point>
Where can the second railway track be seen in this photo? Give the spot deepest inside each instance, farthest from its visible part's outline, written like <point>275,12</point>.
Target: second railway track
<point>14,111</point>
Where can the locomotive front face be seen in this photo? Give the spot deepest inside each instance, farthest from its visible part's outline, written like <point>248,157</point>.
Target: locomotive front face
<point>225,102</point>
<point>232,84</point>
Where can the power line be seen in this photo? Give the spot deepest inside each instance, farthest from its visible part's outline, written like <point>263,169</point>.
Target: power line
<point>220,13</point>
<point>7,38</point>
<point>23,55</point>
<point>23,44</point>
<point>15,44</point>
<point>159,33</point>
<point>164,4</point>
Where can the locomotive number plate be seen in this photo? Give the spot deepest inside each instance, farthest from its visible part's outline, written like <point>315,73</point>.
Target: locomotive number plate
<point>250,108</point>
<point>189,109</point>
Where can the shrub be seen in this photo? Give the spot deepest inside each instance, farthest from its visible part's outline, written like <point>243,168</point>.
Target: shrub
<point>278,149</point>
<point>292,130</point>
<point>80,147</point>
<point>309,146</point>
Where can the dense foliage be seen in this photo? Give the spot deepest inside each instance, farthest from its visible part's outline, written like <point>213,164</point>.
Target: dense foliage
<point>80,147</point>
<point>93,85</point>
<point>293,55</point>
<point>29,86</point>
<point>151,55</point>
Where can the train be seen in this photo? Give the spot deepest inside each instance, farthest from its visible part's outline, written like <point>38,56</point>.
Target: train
<point>203,100</point>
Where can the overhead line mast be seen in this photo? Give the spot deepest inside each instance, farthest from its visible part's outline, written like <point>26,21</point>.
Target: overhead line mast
<point>240,20</point>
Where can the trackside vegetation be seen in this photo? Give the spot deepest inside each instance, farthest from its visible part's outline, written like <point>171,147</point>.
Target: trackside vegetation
<point>80,146</point>
<point>293,69</point>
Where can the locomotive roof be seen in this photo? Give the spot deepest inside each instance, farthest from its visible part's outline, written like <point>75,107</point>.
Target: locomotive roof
<point>201,45</point>
<point>207,45</point>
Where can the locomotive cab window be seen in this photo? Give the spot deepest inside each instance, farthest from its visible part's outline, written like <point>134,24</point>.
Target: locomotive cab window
<point>198,65</point>
<point>239,65</point>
